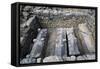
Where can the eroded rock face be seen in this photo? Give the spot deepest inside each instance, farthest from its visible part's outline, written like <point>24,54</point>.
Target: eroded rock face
<point>86,38</point>
<point>28,31</point>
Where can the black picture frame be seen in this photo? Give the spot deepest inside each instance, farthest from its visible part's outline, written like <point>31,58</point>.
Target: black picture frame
<point>15,33</point>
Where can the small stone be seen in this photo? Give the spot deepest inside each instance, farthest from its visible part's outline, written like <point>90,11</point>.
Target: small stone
<point>34,40</point>
<point>80,58</point>
<point>52,59</point>
<point>73,58</point>
<point>38,60</point>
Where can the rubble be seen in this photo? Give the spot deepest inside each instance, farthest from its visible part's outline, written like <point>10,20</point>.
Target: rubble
<point>52,59</point>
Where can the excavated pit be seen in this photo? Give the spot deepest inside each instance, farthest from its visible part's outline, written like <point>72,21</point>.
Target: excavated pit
<point>50,37</point>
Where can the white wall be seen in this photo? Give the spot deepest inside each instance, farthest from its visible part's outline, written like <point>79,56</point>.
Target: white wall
<point>5,25</point>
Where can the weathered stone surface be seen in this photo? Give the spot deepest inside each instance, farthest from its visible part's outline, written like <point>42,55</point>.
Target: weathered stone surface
<point>28,60</point>
<point>91,57</point>
<point>72,42</point>
<point>59,43</point>
<point>38,45</point>
<point>57,47</point>
<point>39,60</point>
<point>52,59</point>
<point>51,42</point>
<point>67,58</point>
<point>86,38</point>
<point>80,58</point>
